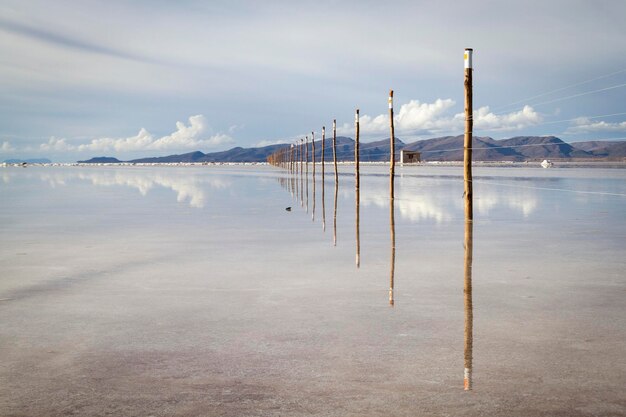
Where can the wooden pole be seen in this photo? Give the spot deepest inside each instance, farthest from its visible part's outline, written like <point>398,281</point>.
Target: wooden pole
<point>392,148</point>
<point>306,152</point>
<point>313,158</point>
<point>392,219</point>
<point>301,173</point>
<point>467,144</point>
<point>323,147</point>
<point>469,310</point>
<point>313,153</point>
<point>335,149</point>
<point>357,187</point>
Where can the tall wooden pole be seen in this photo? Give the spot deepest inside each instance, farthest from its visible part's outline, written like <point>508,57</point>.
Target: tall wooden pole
<point>306,152</point>
<point>357,187</point>
<point>313,152</point>
<point>323,147</point>
<point>392,148</point>
<point>335,149</point>
<point>301,173</point>
<point>469,217</point>
<point>392,219</point>
<point>467,144</point>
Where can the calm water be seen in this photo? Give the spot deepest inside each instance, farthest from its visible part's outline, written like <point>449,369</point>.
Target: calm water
<point>192,291</point>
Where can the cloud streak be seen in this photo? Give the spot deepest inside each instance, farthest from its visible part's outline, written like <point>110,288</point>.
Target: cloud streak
<point>585,125</point>
<point>6,147</point>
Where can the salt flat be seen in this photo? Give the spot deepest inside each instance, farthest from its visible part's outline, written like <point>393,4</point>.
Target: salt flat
<point>164,291</point>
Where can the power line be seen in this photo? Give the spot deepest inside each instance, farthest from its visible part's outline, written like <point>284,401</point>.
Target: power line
<point>561,89</point>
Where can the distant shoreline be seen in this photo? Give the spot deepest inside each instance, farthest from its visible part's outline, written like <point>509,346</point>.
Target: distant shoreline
<point>506,164</point>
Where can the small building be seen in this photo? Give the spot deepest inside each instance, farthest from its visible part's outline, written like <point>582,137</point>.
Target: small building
<point>409,157</point>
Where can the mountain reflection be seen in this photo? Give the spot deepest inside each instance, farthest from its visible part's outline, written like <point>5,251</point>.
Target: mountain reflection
<point>189,189</point>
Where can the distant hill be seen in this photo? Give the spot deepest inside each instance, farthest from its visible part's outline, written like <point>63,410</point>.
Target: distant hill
<point>101,160</point>
<point>446,148</point>
<point>603,149</point>
<point>521,148</point>
<point>28,161</point>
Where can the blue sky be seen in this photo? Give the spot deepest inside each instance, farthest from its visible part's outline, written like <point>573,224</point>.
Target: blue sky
<point>144,78</point>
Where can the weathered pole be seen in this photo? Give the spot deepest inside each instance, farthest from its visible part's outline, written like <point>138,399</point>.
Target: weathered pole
<point>357,186</point>
<point>392,218</point>
<point>467,144</point>
<point>469,225</point>
<point>313,152</point>
<point>392,148</point>
<point>335,149</point>
<point>301,173</point>
<point>306,152</point>
<point>323,147</point>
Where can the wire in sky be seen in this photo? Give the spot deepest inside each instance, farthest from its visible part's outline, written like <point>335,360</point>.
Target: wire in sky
<point>560,89</point>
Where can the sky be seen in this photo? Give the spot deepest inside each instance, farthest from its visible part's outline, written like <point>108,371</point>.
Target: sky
<point>129,79</point>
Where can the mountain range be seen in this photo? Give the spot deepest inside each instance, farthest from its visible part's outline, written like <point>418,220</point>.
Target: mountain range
<point>446,148</point>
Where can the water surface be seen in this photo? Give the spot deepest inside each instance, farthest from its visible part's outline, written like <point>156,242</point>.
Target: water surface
<point>192,290</point>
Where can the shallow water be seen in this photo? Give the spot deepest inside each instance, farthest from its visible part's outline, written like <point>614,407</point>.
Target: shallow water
<point>192,291</point>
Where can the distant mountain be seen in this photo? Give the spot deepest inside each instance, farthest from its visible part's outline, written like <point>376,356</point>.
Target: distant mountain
<point>186,157</point>
<point>521,148</point>
<point>446,148</point>
<point>603,149</point>
<point>29,161</point>
<point>101,160</point>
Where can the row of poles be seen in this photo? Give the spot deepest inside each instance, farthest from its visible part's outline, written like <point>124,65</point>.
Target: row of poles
<point>295,158</point>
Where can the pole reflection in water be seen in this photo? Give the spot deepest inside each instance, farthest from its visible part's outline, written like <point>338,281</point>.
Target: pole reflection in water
<point>469,313</point>
<point>313,210</point>
<point>301,174</point>
<point>306,160</point>
<point>336,182</point>
<point>335,213</point>
<point>357,191</point>
<point>392,229</point>
<point>323,186</point>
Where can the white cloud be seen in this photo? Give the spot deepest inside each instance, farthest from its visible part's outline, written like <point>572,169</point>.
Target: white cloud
<point>6,147</point>
<point>186,137</point>
<point>58,145</point>
<point>585,125</point>
<point>416,118</point>
<point>485,120</point>
<point>274,142</point>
